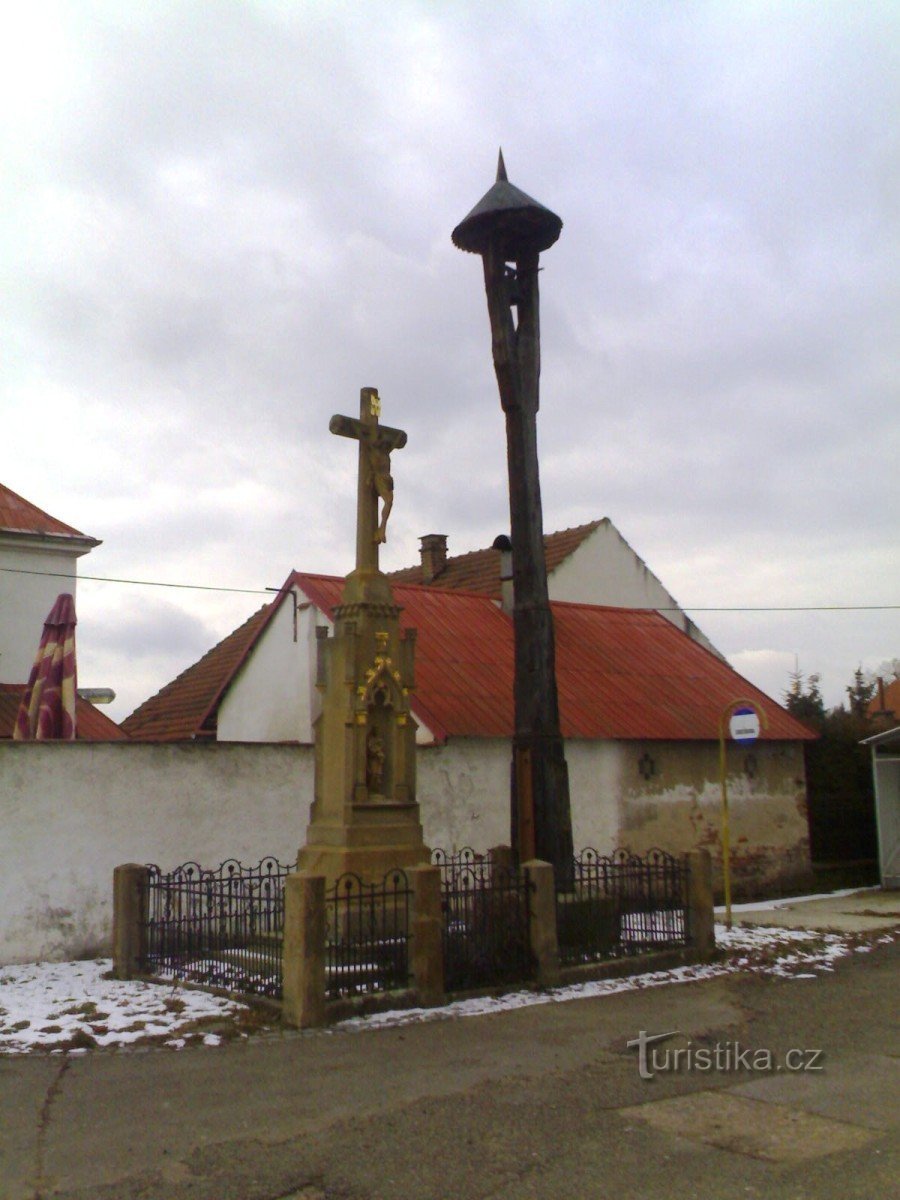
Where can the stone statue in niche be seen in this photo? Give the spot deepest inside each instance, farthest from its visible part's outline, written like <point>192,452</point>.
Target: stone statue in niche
<point>375,756</point>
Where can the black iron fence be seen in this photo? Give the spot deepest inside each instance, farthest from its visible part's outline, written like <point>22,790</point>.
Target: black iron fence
<point>486,922</point>
<point>222,928</point>
<point>622,904</point>
<point>367,935</point>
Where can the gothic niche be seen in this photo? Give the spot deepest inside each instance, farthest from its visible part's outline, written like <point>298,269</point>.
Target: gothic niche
<point>379,744</point>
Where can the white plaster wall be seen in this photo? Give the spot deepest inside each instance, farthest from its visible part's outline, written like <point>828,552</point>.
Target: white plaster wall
<point>70,813</point>
<point>25,601</point>
<point>605,570</point>
<point>463,793</point>
<point>680,808</point>
<point>274,697</point>
<point>595,771</point>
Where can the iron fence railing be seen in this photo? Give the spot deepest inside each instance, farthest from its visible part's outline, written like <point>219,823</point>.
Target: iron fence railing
<point>367,935</point>
<point>486,922</point>
<point>221,928</point>
<point>622,904</point>
<point>452,863</point>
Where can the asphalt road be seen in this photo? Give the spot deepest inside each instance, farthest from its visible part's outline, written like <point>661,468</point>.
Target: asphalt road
<point>539,1102</point>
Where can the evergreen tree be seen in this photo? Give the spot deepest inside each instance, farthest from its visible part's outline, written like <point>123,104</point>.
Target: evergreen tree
<point>838,772</point>
<point>860,693</point>
<point>803,699</point>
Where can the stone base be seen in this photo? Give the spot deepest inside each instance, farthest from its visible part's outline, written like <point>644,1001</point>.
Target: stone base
<point>379,838</point>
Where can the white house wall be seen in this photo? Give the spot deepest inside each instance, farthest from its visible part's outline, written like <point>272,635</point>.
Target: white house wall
<point>26,600</point>
<point>605,570</point>
<point>273,698</point>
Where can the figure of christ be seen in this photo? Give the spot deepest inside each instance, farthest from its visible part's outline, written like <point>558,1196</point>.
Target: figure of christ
<point>383,483</point>
<point>376,444</point>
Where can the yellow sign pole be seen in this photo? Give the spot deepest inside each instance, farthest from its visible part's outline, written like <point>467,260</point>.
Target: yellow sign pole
<point>727,711</point>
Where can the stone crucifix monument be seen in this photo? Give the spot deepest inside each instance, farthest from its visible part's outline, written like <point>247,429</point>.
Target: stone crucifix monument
<point>364,817</point>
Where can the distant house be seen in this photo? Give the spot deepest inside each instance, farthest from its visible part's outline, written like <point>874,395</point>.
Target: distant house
<point>38,560</point>
<point>640,706</point>
<point>885,704</point>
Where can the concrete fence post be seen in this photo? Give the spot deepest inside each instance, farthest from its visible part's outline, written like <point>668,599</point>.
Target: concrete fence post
<point>699,902</point>
<point>502,858</point>
<point>426,943</point>
<point>544,944</point>
<point>131,898</point>
<point>303,962</point>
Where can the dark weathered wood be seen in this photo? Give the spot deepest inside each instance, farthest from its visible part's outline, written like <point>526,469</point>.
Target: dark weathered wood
<point>538,752</point>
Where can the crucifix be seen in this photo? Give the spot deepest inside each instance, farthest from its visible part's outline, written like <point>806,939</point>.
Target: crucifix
<point>376,442</point>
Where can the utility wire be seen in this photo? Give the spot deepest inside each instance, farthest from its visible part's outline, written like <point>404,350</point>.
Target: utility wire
<point>205,587</point>
<point>196,587</point>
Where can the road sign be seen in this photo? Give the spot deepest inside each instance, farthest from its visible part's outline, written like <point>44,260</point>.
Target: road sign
<point>744,725</point>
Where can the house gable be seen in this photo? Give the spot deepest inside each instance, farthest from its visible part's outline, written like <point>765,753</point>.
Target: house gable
<point>587,564</point>
<point>38,560</point>
<point>272,696</point>
<point>603,569</point>
<point>186,707</point>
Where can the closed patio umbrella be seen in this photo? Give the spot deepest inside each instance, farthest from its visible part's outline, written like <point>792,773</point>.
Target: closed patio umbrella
<point>48,705</point>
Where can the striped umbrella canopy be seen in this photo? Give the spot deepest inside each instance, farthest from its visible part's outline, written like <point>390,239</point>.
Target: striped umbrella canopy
<point>48,705</point>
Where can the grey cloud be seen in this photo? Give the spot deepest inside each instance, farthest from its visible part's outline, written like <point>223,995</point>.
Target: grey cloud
<point>241,214</point>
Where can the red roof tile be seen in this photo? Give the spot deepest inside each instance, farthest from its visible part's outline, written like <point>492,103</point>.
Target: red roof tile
<point>888,702</point>
<point>186,707</point>
<point>622,673</point>
<point>91,725</point>
<point>479,570</point>
<point>18,515</point>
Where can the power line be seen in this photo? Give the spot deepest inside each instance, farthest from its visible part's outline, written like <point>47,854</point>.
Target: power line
<point>195,587</point>
<point>206,587</point>
<point>788,608</point>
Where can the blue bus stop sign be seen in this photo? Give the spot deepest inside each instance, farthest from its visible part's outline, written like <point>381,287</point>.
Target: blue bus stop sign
<point>744,725</point>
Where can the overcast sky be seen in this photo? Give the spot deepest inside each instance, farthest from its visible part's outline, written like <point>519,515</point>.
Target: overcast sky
<point>221,219</point>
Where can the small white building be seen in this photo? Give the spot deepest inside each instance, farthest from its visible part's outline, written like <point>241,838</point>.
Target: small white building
<point>885,748</point>
<point>38,560</point>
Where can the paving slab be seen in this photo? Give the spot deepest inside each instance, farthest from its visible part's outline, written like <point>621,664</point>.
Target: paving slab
<point>861,1088</point>
<point>867,911</point>
<point>774,1132</point>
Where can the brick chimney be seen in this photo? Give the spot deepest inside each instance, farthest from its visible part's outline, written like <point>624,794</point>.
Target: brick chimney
<point>507,596</point>
<point>434,555</point>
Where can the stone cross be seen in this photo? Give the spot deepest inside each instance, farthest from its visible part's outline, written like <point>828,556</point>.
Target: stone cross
<point>375,445</point>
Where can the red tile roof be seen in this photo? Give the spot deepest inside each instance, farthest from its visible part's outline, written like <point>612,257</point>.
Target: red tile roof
<point>18,515</point>
<point>622,673</point>
<point>888,702</point>
<point>91,725</point>
<point>186,708</point>
<point>479,570</point>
